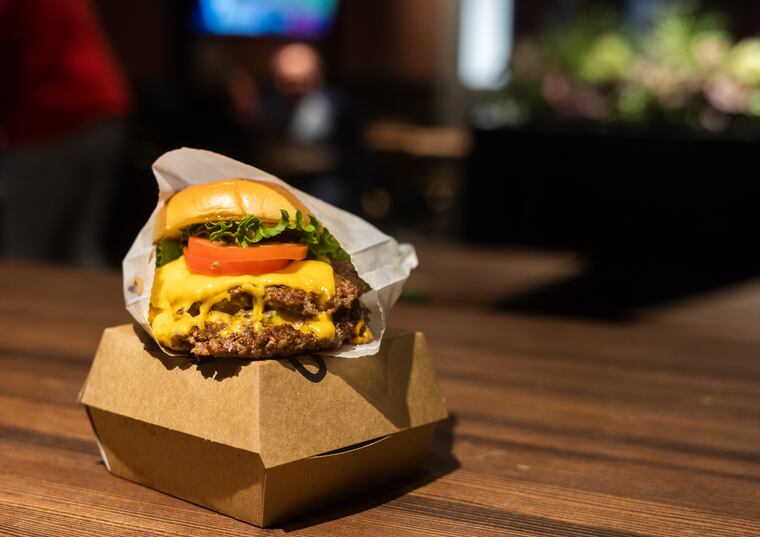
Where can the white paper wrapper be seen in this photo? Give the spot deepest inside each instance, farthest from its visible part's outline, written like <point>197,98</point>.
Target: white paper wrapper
<point>380,261</point>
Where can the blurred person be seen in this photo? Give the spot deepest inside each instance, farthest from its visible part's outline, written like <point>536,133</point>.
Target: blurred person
<point>63,104</point>
<point>314,128</point>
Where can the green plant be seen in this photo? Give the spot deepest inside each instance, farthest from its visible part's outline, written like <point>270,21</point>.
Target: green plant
<point>685,68</point>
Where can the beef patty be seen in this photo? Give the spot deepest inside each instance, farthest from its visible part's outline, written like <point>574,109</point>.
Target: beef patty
<point>283,340</point>
<point>348,287</point>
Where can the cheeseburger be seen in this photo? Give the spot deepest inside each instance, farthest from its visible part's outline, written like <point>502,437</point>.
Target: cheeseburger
<point>243,270</point>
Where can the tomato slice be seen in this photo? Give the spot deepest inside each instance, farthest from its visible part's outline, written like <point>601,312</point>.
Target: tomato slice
<point>258,252</point>
<point>214,267</point>
<point>206,257</point>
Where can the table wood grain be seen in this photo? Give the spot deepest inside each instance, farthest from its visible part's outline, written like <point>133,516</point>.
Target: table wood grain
<point>558,427</point>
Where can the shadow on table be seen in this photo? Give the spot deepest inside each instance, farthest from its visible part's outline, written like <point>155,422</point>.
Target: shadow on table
<point>217,368</point>
<point>440,461</point>
<point>614,288</point>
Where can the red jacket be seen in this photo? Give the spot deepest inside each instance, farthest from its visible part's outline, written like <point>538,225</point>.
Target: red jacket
<point>57,73</point>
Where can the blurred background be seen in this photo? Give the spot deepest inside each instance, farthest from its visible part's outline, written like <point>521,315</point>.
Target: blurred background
<point>570,157</point>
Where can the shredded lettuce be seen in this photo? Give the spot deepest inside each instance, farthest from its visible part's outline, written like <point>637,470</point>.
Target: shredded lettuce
<point>168,250</point>
<point>251,230</point>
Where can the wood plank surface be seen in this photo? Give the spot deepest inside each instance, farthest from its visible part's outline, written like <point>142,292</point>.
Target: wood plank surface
<point>558,427</point>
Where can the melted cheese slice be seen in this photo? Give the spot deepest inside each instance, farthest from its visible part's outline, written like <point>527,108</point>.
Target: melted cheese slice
<point>176,289</point>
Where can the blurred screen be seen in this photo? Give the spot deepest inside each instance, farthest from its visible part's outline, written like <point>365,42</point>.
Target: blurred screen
<point>296,18</point>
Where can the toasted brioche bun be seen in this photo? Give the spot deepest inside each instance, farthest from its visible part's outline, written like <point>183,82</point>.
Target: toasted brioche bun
<point>229,199</point>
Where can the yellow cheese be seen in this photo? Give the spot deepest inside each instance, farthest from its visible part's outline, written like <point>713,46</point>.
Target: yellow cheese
<point>176,289</point>
<point>362,333</point>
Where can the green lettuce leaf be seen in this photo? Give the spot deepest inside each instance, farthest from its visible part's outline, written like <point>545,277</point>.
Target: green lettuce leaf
<point>168,250</point>
<point>251,230</point>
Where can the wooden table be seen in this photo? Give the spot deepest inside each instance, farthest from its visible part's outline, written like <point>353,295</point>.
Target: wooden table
<point>558,427</point>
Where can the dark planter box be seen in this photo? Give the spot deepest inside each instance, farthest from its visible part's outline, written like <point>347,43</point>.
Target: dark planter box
<point>614,192</point>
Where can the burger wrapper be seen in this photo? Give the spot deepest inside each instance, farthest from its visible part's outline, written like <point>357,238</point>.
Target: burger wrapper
<point>380,261</point>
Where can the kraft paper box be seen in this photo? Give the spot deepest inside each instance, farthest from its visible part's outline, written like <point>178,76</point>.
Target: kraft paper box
<point>266,440</point>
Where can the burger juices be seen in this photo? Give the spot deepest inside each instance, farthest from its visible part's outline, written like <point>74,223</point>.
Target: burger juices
<point>243,270</point>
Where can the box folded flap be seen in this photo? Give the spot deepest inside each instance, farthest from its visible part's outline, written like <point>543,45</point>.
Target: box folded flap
<point>357,400</point>
<point>284,410</point>
<point>132,377</point>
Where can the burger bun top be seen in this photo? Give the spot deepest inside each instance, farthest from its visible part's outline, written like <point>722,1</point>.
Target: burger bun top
<point>228,199</point>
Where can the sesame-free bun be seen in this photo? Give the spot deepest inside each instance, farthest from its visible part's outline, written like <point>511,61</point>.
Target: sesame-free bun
<point>229,199</point>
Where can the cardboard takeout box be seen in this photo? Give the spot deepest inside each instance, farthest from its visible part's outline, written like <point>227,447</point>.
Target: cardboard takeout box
<point>265,440</point>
